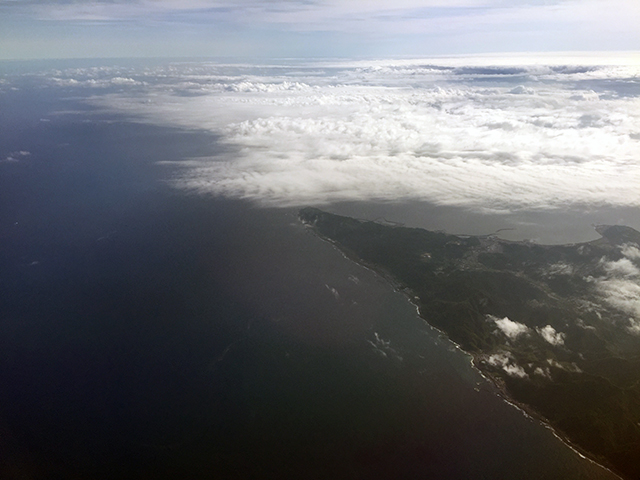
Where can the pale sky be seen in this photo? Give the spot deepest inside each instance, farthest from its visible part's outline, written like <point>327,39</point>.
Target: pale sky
<point>312,28</point>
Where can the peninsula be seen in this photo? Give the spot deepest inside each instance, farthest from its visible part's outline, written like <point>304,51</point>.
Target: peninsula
<point>556,327</point>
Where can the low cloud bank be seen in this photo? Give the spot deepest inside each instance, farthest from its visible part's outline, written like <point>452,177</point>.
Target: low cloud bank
<point>493,139</point>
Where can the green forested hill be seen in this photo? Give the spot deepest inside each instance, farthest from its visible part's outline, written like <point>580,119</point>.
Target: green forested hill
<point>557,327</point>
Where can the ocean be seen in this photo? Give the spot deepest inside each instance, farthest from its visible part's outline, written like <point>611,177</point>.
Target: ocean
<point>149,332</point>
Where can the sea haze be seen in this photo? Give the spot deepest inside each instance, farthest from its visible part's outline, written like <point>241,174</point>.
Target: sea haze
<point>166,315</point>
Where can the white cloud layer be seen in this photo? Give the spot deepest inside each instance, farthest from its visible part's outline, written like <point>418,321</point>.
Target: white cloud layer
<point>486,136</point>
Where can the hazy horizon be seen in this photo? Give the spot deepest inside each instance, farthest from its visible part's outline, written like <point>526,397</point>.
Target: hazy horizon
<point>39,29</point>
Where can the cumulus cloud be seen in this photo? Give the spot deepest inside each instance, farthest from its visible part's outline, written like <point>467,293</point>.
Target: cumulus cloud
<point>95,82</point>
<point>507,363</point>
<point>515,371</point>
<point>631,251</point>
<point>510,328</point>
<point>405,130</point>
<point>265,87</point>
<point>561,268</point>
<point>521,90</point>
<point>584,326</point>
<point>543,372</point>
<point>634,326</point>
<point>623,267</point>
<point>622,294</point>
<point>550,335</point>
<point>569,367</point>
<point>619,287</point>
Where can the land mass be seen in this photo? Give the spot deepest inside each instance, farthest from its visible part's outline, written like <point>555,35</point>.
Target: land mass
<point>556,327</point>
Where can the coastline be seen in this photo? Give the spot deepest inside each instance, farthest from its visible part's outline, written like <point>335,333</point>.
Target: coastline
<point>495,382</point>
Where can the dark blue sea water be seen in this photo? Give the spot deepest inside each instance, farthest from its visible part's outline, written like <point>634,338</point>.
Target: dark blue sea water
<point>149,333</point>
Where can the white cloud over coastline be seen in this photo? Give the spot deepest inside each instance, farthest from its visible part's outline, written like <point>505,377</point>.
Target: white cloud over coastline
<point>507,363</point>
<point>488,137</point>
